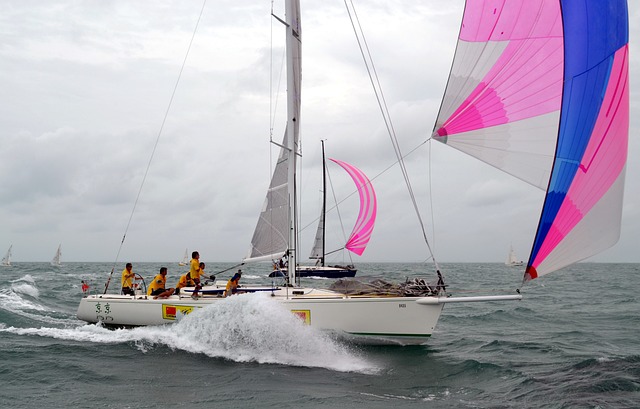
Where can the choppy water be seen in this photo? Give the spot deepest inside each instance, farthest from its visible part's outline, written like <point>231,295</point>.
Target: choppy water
<point>572,342</point>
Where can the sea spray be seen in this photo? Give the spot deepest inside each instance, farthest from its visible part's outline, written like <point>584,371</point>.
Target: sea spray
<point>240,328</point>
<point>16,298</point>
<point>21,298</point>
<point>248,328</point>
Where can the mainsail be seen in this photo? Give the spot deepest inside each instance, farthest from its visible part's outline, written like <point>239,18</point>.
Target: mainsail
<point>270,238</point>
<point>275,233</point>
<point>56,258</point>
<point>6,260</point>
<point>539,89</point>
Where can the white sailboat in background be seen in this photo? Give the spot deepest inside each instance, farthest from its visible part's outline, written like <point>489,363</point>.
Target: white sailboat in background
<point>56,258</point>
<point>185,258</point>
<point>6,260</point>
<point>512,260</point>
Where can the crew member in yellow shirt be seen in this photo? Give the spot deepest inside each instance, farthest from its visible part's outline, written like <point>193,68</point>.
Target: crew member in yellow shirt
<point>232,284</point>
<point>194,273</point>
<point>184,281</point>
<point>127,279</point>
<point>156,288</point>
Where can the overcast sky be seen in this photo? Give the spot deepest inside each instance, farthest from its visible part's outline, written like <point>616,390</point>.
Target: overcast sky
<point>86,84</point>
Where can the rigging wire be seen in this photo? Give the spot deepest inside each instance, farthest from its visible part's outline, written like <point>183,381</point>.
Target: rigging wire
<point>273,105</point>
<point>155,146</point>
<point>375,82</point>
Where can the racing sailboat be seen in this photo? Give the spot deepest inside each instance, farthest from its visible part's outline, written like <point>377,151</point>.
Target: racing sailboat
<point>55,261</point>
<point>538,89</point>
<point>358,239</point>
<point>390,316</point>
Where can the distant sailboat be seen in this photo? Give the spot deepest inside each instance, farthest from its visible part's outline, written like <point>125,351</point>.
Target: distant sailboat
<point>185,258</point>
<point>56,259</point>
<point>6,260</point>
<point>512,260</point>
<point>358,239</point>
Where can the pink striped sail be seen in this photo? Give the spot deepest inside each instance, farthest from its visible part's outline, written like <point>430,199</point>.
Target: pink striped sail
<point>363,227</point>
<point>502,101</point>
<point>539,89</point>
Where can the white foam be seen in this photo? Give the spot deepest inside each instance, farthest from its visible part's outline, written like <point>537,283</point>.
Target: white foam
<point>318,278</point>
<point>241,328</point>
<point>26,278</point>
<point>26,289</point>
<point>250,277</point>
<point>11,300</point>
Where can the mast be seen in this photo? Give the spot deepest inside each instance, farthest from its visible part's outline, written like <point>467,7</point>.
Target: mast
<point>318,251</point>
<point>324,204</point>
<point>292,16</point>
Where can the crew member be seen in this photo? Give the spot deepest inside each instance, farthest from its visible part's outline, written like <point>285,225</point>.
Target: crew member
<point>156,288</point>
<point>127,279</point>
<point>232,284</point>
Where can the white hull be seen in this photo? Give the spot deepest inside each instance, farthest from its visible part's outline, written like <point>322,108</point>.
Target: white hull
<point>368,319</point>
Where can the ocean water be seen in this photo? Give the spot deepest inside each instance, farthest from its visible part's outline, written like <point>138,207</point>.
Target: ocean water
<point>571,343</point>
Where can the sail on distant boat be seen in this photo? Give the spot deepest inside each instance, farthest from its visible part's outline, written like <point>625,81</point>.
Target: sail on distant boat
<point>185,258</point>
<point>6,260</point>
<point>363,227</point>
<point>56,258</point>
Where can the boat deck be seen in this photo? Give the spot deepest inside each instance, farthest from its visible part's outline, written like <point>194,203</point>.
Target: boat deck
<point>215,292</point>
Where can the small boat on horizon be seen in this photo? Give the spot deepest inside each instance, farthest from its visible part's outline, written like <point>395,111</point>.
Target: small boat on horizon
<point>185,258</point>
<point>512,260</point>
<point>6,260</point>
<point>56,258</point>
